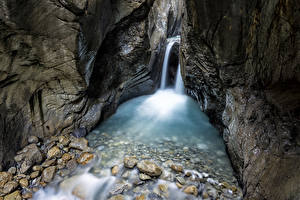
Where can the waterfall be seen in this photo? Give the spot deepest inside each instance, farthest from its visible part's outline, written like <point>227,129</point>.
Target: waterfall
<point>179,87</point>
<point>171,42</point>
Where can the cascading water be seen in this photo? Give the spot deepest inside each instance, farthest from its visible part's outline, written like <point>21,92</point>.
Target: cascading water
<point>170,43</point>
<point>166,127</point>
<point>179,87</point>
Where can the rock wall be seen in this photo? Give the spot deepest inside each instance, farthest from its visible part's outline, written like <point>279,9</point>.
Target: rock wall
<point>66,64</point>
<point>241,62</point>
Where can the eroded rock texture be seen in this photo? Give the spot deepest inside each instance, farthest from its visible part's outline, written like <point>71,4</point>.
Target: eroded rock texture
<point>241,62</point>
<point>66,64</point>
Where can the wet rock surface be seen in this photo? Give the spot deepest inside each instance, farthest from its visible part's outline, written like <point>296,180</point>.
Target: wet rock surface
<point>42,164</point>
<point>233,54</point>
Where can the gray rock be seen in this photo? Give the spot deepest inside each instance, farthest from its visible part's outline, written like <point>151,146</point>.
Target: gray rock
<point>33,139</point>
<point>12,170</point>
<point>144,177</point>
<point>48,174</point>
<point>79,143</point>
<point>149,167</point>
<point>9,187</point>
<point>130,162</point>
<point>80,132</point>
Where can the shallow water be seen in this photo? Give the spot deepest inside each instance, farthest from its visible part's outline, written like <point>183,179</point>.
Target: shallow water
<point>163,127</point>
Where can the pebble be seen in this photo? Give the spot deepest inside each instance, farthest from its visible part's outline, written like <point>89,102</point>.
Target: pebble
<point>149,167</point>
<point>181,180</point>
<point>48,174</point>
<point>34,174</point>
<point>23,182</point>
<point>12,170</point>
<point>27,195</point>
<point>85,158</point>
<point>64,140</point>
<point>37,168</point>
<point>179,185</point>
<point>144,177</point>
<point>66,157</point>
<point>72,164</point>
<point>191,190</point>
<point>14,196</point>
<point>9,187</point>
<point>115,170</point>
<point>54,152</point>
<point>130,162</point>
<point>4,178</point>
<point>177,168</point>
<point>163,187</point>
<point>79,143</point>
<point>48,163</point>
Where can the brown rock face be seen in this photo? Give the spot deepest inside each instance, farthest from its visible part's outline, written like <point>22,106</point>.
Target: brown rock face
<point>48,50</point>
<point>241,62</point>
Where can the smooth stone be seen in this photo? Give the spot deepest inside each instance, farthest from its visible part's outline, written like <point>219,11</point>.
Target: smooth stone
<point>179,185</point>
<point>191,190</point>
<point>34,174</point>
<point>54,152</point>
<point>37,168</point>
<point>163,188</point>
<point>181,180</point>
<point>177,168</point>
<point>117,197</point>
<point>4,178</point>
<point>64,140</point>
<point>118,188</point>
<point>115,170</point>
<point>85,158</point>
<point>27,195</point>
<point>14,196</point>
<point>33,139</point>
<point>66,157</point>
<point>23,182</point>
<point>79,143</point>
<point>48,174</point>
<point>150,168</point>
<point>130,162</point>
<point>144,177</point>
<point>48,163</point>
<point>12,170</point>
<point>30,155</point>
<point>72,164</point>
<point>9,187</point>
<point>79,132</point>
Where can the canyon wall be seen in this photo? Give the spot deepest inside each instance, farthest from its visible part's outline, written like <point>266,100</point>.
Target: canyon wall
<point>66,64</point>
<point>241,62</point>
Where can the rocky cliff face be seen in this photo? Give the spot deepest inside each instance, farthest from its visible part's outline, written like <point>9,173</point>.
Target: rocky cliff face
<point>68,63</point>
<point>241,62</point>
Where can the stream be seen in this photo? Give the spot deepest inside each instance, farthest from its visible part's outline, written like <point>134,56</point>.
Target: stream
<point>167,128</point>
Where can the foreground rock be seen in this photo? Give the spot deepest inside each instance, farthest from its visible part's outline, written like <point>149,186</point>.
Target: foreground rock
<point>130,162</point>
<point>149,167</point>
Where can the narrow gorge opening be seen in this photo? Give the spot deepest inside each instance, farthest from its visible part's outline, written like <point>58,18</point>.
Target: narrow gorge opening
<point>166,135</point>
<point>95,99</point>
